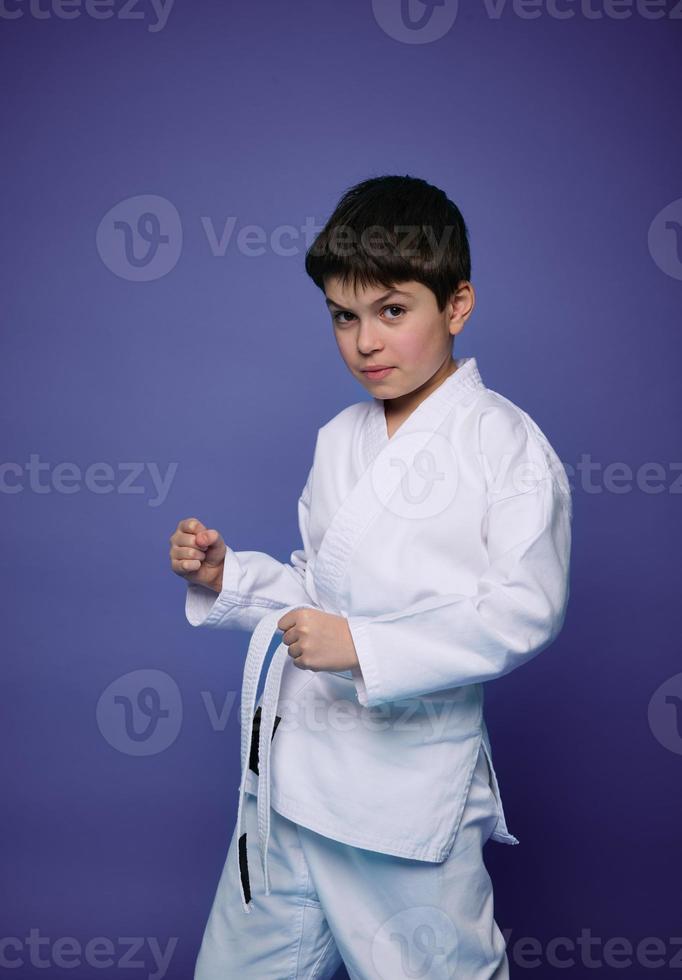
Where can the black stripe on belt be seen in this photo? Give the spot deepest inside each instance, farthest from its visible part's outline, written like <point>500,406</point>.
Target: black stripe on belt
<point>253,765</point>
<point>255,733</point>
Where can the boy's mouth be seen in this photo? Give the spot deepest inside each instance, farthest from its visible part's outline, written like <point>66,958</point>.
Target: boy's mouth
<point>376,374</point>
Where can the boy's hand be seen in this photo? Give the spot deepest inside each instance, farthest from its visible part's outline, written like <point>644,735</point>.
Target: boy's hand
<point>318,640</point>
<point>198,554</point>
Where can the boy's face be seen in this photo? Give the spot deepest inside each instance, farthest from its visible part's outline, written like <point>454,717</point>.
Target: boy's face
<point>401,329</point>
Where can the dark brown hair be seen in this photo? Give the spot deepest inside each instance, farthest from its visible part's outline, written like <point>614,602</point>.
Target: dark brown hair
<point>391,229</point>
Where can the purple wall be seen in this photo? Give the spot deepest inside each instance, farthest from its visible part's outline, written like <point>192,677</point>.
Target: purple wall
<point>211,366</point>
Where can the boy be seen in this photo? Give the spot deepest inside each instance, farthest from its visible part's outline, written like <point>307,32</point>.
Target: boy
<point>436,531</point>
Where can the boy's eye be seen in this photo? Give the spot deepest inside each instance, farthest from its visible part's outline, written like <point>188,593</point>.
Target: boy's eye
<point>347,313</point>
<point>399,308</point>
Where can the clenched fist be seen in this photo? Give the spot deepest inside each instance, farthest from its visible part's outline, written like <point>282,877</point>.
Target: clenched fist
<point>198,554</point>
<point>318,640</point>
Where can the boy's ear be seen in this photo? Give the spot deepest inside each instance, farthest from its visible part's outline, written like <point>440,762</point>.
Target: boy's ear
<point>461,305</point>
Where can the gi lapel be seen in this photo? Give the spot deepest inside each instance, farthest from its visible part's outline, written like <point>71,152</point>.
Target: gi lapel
<point>390,462</point>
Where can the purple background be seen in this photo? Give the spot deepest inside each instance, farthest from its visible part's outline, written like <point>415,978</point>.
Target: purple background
<point>560,142</point>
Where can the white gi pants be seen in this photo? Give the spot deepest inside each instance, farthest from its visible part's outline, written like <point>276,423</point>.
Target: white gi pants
<point>384,917</point>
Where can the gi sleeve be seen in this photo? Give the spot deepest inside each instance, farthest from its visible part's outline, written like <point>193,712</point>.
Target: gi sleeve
<point>520,601</point>
<point>254,583</point>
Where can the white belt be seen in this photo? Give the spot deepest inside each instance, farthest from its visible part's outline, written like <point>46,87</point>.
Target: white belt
<point>258,648</point>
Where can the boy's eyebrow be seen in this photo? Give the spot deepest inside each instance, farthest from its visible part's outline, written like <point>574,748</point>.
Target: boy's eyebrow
<point>391,292</point>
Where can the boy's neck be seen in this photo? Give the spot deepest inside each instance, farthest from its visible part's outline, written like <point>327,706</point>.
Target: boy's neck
<point>398,409</point>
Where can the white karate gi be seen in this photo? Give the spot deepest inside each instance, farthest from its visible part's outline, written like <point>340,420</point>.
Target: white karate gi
<point>447,549</point>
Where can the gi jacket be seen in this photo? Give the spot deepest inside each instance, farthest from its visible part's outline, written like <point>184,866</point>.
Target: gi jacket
<point>447,549</point>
